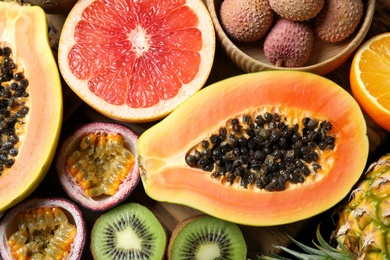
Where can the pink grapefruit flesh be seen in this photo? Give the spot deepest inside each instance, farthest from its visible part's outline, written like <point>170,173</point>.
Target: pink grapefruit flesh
<point>136,60</point>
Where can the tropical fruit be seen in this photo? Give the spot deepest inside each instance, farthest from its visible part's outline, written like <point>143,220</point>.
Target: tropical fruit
<point>338,19</point>
<point>43,228</point>
<point>129,231</point>
<point>369,78</point>
<point>297,10</point>
<point>30,101</point>
<point>206,237</point>
<point>289,43</point>
<point>257,158</point>
<point>136,60</point>
<point>363,221</point>
<point>96,165</point>
<point>246,21</point>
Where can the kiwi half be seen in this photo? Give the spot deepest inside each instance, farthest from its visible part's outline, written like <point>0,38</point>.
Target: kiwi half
<point>205,238</point>
<point>128,231</point>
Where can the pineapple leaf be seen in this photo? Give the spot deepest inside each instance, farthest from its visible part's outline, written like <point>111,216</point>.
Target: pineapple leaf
<point>323,251</point>
<point>271,257</point>
<point>345,250</point>
<point>331,251</point>
<point>334,253</point>
<point>308,249</point>
<point>318,254</point>
<point>298,255</point>
<point>323,244</point>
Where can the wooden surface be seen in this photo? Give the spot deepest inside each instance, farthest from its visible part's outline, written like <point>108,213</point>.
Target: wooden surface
<point>259,239</point>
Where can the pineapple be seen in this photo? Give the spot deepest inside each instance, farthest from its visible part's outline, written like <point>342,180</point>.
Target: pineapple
<point>362,231</point>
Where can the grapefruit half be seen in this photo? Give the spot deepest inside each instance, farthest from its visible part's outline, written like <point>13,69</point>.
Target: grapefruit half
<point>136,60</point>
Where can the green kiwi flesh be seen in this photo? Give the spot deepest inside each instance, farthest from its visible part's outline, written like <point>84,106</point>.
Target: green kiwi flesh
<point>128,231</point>
<point>205,238</point>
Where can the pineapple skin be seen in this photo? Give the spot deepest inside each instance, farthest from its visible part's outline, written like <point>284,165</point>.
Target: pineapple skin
<point>364,222</point>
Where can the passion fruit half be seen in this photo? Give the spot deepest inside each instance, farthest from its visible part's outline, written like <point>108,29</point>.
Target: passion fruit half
<point>43,228</point>
<point>96,165</point>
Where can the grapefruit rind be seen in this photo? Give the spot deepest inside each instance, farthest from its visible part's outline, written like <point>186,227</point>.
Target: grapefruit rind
<point>124,112</point>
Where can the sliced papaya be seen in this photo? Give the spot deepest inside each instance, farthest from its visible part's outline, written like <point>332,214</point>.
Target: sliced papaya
<point>30,101</point>
<point>264,148</point>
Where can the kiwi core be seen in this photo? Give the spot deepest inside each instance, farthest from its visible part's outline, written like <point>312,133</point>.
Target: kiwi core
<point>128,239</point>
<point>209,251</point>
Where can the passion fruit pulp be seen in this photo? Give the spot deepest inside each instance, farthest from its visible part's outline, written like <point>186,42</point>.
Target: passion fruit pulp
<point>96,165</point>
<point>43,227</point>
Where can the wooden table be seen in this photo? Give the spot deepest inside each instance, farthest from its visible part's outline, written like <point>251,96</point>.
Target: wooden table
<point>259,239</point>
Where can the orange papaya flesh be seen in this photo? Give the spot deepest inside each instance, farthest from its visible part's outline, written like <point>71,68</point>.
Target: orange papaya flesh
<point>24,30</point>
<point>162,149</point>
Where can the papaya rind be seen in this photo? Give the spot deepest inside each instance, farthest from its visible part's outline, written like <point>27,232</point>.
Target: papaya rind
<point>31,46</point>
<point>161,149</point>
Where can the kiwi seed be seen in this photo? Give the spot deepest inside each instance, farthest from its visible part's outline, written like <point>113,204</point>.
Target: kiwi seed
<point>128,231</point>
<point>205,237</point>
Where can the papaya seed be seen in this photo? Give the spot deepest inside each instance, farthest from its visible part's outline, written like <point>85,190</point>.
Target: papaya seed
<point>264,151</point>
<point>13,108</point>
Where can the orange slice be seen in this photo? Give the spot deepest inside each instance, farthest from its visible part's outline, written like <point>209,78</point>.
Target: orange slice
<point>370,78</point>
<point>136,61</point>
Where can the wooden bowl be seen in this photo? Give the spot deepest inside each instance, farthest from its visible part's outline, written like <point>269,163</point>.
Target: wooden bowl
<point>325,57</point>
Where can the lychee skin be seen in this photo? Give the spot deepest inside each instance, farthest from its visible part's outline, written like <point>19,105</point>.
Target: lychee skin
<point>338,19</point>
<point>289,43</point>
<point>246,20</point>
<point>297,10</point>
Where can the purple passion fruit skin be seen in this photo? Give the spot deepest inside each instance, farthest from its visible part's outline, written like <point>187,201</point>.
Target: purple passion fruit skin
<point>74,190</point>
<point>8,223</point>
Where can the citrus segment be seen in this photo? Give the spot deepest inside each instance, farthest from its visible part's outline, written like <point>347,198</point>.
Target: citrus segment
<point>136,60</point>
<point>375,67</point>
<point>370,81</point>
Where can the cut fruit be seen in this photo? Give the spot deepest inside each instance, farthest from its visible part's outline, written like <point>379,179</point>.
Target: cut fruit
<point>43,228</point>
<point>370,81</point>
<point>96,165</point>
<point>361,222</point>
<point>257,158</point>
<point>205,237</point>
<point>136,60</point>
<point>31,101</point>
<point>129,231</point>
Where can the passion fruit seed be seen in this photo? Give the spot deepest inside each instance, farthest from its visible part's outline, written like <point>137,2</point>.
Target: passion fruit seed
<point>266,151</point>
<point>43,233</point>
<point>101,164</point>
<point>13,109</point>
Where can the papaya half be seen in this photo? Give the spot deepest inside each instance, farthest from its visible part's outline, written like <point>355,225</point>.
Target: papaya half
<point>30,101</point>
<point>259,149</point>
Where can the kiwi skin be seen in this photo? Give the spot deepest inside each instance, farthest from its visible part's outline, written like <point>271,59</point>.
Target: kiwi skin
<point>179,228</point>
<point>111,215</point>
<point>176,231</point>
